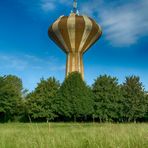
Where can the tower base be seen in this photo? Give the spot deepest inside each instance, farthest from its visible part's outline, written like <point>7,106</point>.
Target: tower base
<point>74,63</point>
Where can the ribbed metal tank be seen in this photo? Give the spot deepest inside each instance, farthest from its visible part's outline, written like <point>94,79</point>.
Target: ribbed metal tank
<point>74,34</point>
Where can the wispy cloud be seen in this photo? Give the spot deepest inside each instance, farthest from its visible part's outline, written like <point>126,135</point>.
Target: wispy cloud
<point>44,5</point>
<point>58,68</point>
<point>33,58</point>
<point>48,6</point>
<point>30,62</point>
<point>123,23</point>
<point>12,62</point>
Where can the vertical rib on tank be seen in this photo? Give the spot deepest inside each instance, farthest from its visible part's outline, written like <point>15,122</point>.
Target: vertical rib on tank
<point>74,34</point>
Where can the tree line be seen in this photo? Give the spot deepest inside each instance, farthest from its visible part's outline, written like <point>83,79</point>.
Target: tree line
<point>73,100</point>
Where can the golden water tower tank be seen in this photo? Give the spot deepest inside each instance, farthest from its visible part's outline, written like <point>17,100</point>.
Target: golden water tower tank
<point>74,34</point>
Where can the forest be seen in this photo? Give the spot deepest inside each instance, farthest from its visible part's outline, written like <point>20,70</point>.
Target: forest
<point>73,100</point>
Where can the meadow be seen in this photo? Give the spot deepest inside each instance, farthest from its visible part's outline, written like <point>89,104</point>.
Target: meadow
<point>73,135</point>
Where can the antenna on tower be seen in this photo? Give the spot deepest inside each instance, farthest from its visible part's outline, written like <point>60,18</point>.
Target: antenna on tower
<point>75,7</point>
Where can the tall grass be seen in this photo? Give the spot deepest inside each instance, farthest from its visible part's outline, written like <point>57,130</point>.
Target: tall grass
<point>73,135</point>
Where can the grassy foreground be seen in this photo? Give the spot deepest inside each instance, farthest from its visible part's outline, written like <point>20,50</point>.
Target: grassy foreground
<point>73,135</point>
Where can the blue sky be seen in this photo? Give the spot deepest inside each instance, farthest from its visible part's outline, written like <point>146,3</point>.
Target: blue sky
<point>26,50</point>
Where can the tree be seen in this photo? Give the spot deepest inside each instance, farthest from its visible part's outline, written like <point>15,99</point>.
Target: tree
<point>107,98</point>
<point>10,97</point>
<point>146,107</point>
<point>134,101</point>
<point>74,99</point>
<point>40,103</point>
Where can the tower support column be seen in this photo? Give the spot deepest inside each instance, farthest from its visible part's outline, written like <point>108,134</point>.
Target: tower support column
<point>74,63</point>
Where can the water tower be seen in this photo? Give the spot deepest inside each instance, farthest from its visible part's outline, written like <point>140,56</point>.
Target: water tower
<point>74,34</point>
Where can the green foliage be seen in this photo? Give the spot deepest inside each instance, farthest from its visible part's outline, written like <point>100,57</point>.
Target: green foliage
<point>146,112</point>
<point>134,101</point>
<point>40,103</point>
<point>74,98</point>
<point>107,98</point>
<point>10,97</point>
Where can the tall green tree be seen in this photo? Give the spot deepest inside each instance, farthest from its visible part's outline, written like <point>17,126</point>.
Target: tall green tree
<point>74,99</point>
<point>146,107</point>
<point>134,101</point>
<point>146,112</point>
<point>107,98</point>
<point>10,97</point>
<point>40,104</point>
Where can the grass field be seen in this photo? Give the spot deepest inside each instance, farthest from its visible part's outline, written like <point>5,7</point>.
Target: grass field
<point>73,135</point>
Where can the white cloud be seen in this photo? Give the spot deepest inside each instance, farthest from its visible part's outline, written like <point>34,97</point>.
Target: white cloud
<point>58,68</point>
<point>40,6</point>
<point>30,62</point>
<point>33,58</point>
<point>48,6</point>
<point>12,62</point>
<point>123,24</point>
